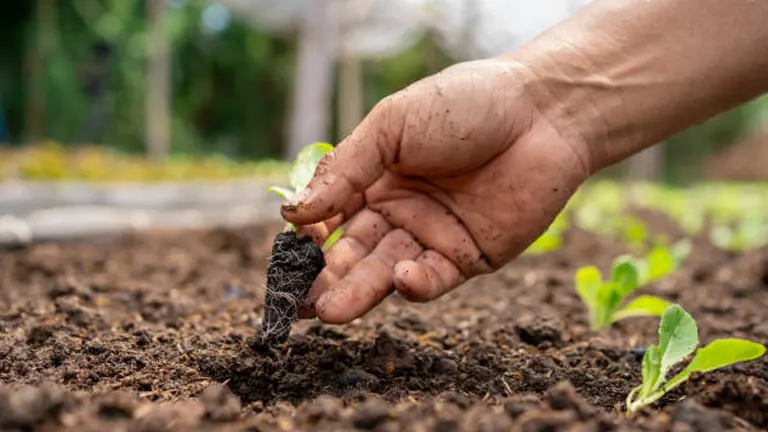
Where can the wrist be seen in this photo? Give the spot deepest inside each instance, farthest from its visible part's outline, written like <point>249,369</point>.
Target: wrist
<point>586,107</point>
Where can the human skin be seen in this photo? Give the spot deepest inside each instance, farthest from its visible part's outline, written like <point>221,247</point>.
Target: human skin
<point>457,174</point>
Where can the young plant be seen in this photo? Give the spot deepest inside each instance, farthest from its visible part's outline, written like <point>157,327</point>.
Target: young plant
<point>301,173</point>
<point>604,299</point>
<point>660,261</point>
<point>678,338</point>
<point>295,261</point>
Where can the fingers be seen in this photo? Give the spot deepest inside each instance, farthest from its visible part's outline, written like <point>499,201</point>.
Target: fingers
<point>368,282</point>
<point>434,226</point>
<point>428,277</point>
<point>356,163</point>
<point>362,234</point>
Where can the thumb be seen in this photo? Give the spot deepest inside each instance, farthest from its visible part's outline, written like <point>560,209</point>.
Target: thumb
<point>355,164</point>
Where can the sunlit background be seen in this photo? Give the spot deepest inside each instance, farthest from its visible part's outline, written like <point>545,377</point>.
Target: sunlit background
<point>175,90</point>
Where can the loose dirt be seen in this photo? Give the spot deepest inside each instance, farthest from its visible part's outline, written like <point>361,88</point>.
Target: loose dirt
<point>156,332</point>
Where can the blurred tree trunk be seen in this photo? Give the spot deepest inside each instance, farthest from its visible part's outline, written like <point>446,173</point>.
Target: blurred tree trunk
<point>158,96</point>
<point>646,165</point>
<point>37,54</point>
<point>312,90</point>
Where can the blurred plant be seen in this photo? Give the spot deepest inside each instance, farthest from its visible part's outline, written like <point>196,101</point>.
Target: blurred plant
<point>604,298</point>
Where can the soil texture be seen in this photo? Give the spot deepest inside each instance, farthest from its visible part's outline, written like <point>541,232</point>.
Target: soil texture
<point>293,266</point>
<point>158,332</point>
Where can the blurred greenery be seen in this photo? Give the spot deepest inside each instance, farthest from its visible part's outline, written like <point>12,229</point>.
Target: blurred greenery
<point>231,89</point>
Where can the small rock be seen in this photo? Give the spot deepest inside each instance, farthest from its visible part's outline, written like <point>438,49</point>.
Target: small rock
<point>537,330</point>
<point>370,414</point>
<point>563,397</point>
<point>39,334</point>
<point>220,404</point>
<point>445,366</point>
<point>358,378</point>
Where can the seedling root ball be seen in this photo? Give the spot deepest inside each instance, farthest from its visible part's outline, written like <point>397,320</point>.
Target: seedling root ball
<point>293,267</point>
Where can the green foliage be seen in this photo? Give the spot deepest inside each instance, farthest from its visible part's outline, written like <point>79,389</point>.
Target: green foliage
<point>604,298</point>
<point>660,260</point>
<point>302,171</point>
<point>678,338</point>
<point>552,238</point>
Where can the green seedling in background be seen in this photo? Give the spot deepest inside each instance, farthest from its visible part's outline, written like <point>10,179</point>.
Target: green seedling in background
<point>552,238</point>
<point>604,299</point>
<point>302,171</point>
<point>678,338</point>
<point>660,261</point>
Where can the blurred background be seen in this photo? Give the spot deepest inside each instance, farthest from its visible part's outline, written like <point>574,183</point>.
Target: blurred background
<point>138,90</point>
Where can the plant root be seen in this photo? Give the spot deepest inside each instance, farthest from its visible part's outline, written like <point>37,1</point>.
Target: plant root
<point>293,267</point>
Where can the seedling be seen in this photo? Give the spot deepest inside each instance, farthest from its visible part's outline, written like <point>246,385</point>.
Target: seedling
<point>295,261</point>
<point>678,338</point>
<point>660,260</point>
<point>303,169</point>
<point>604,298</point>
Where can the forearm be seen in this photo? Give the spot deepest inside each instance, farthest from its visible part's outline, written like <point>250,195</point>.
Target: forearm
<point>622,75</point>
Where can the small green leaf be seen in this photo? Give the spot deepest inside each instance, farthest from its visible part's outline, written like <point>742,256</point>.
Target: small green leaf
<point>588,282</point>
<point>306,162</point>
<point>625,276</point>
<point>718,354</point>
<point>680,251</point>
<point>644,305</point>
<point>678,337</point>
<point>651,370</point>
<point>549,241</point>
<point>333,238</point>
<point>608,299</point>
<point>660,262</point>
<point>283,192</point>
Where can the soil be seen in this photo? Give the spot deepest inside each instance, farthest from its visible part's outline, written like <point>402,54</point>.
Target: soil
<point>293,266</point>
<point>157,332</point>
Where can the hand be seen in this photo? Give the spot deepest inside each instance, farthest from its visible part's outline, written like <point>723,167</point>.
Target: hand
<point>448,179</point>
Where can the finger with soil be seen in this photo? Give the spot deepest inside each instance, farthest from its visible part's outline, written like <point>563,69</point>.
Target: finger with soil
<point>369,282</point>
<point>361,236</point>
<point>428,277</point>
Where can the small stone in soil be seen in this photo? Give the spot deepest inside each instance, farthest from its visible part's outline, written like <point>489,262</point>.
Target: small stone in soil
<point>538,329</point>
<point>293,267</point>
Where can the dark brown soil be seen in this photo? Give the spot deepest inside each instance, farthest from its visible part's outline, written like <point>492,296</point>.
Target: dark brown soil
<point>293,266</point>
<point>155,332</point>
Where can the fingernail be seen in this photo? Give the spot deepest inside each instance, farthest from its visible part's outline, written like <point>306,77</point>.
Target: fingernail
<point>299,198</point>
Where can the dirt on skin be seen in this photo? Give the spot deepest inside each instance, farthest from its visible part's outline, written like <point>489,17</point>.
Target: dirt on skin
<point>155,332</point>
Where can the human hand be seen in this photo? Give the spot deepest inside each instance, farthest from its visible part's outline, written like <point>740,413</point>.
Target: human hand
<point>448,179</point>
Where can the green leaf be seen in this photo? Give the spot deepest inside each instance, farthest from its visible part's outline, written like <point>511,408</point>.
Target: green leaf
<point>588,282</point>
<point>678,337</point>
<point>660,262</point>
<point>283,192</point>
<point>644,305</point>
<point>333,238</point>
<point>608,299</point>
<point>625,276</point>
<point>680,251</point>
<point>718,354</point>
<point>651,370</point>
<point>306,162</point>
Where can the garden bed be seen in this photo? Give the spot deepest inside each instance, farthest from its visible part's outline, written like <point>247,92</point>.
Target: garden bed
<point>153,332</point>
